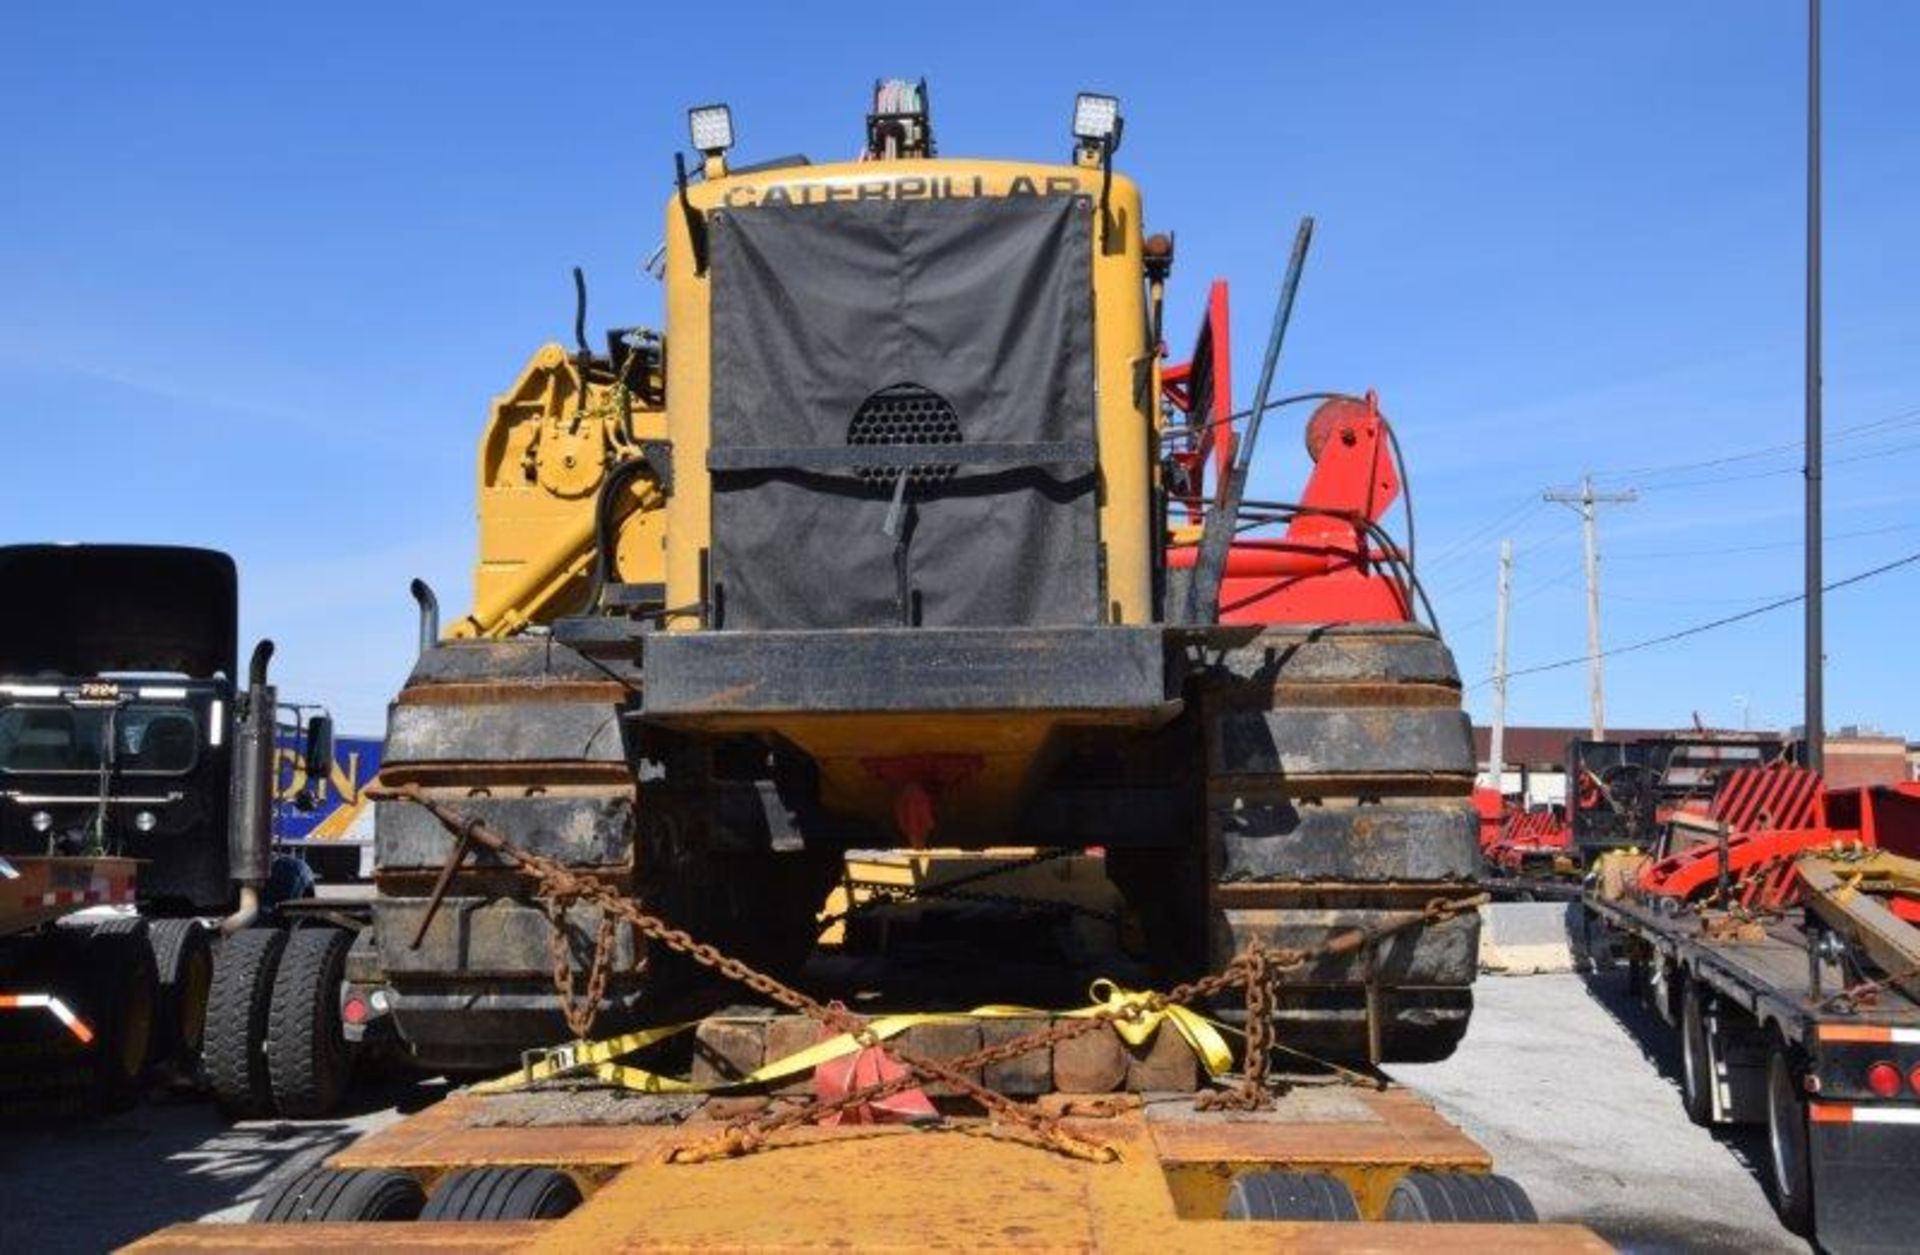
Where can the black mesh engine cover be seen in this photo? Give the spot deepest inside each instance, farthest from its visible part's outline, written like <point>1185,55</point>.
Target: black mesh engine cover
<point>946,342</point>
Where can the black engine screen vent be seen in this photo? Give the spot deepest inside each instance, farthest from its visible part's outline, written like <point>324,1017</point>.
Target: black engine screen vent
<point>905,415</point>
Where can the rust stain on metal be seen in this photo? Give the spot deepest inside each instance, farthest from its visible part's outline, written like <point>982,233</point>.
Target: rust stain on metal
<point>730,697</point>
<point>505,1235</point>
<point>511,778</point>
<point>1292,696</point>
<point>503,694</point>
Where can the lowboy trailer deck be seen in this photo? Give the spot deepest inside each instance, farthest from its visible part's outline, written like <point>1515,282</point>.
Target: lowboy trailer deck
<point>902,1129</point>
<point>1171,1186</point>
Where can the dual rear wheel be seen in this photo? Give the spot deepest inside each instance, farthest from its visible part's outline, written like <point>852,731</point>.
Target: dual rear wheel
<point>274,1042</point>
<point>331,1195</point>
<point>1418,1197</point>
<point>1789,1152</point>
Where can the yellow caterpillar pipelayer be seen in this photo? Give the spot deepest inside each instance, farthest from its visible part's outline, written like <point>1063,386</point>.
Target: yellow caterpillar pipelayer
<point>888,563</point>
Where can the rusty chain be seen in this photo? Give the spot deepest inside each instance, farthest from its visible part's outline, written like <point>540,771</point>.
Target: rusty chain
<point>1254,970</point>
<point>1251,1094</point>
<point>580,1013</point>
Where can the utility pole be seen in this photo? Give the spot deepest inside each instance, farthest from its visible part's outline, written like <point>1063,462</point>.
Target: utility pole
<point>1584,501</point>
<point>1816,716</point>
<point>1497,748</point>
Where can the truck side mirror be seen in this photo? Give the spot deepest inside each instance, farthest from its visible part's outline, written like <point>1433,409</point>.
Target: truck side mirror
<point>319,761</point>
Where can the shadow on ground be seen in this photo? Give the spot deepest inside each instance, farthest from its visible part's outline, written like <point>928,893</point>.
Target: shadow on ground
<point>1659,1044</point>
<point>94,1183</point>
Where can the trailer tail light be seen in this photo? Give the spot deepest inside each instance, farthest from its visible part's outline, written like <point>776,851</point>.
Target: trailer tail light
<point>1913,1079</point>
<point>354,1010</point>
<point>1884,1079</point>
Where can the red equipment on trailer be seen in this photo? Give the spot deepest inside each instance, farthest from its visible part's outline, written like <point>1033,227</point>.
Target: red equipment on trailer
<point>1534,842</point>
<point>1759,820</point>
<point>1334,564</point>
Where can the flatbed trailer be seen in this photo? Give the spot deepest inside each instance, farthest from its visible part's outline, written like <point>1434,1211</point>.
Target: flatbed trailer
<point>897,1187</point>
<point>1775,1032</point>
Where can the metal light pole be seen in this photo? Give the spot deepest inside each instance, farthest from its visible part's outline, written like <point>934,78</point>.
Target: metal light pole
<point>1816,715</point>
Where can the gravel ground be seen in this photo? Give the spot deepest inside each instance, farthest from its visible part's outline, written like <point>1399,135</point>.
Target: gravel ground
<point>1574,1087</point>
<point>1564,1078</point>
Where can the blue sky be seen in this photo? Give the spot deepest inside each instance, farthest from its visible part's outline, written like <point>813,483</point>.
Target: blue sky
<point>262,274</point>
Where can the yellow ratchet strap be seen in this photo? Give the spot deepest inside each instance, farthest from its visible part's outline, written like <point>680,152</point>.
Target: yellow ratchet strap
<point>598,1057</point>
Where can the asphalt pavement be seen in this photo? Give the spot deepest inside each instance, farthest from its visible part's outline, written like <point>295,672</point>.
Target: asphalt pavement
<point>1574,1087</point>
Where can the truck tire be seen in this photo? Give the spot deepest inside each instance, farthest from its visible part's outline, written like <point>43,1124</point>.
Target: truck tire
<point>1459,1198</point>
<point>1696,1055</point>
<point>118,997</point>
<point>503,1193</point>
<point>308,1063</point>
<point>238,1004</point>
<point>1787,1141</point>
<point>1290,1196</point>
<point>1663,989</point>
<point>323,1195</point>
<point>183,960</point>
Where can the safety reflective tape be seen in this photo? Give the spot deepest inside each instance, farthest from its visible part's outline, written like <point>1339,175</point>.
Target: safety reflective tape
<point>1840,1113</point>
<point>47,1002</point>
<point>1877,1034</point>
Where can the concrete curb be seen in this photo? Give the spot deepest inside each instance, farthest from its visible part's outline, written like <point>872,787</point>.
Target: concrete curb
<point>1527,938</point>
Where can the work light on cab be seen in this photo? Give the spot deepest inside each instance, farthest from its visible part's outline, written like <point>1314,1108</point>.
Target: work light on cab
<point>712,128</point>
<point>1097,122</point>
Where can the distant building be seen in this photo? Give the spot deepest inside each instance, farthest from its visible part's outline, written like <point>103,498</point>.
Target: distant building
<point>1864,755</point>
<point>1536,758</point>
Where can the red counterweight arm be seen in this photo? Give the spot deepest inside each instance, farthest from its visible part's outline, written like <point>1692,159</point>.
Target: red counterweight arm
<point>1353,482</point>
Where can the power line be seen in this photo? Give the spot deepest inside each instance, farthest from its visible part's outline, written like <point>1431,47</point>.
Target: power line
<point>1471,578</point>
<point>1774,544</point>
<point>1784,470</point>
<point>1711,624</point>
<point>1563,581</point>
<point>1527,507</point>
<point>1905,418</point>
<point>1645,600</point>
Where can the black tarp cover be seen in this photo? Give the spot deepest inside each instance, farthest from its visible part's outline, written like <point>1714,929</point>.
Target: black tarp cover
<point>985,302</point>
